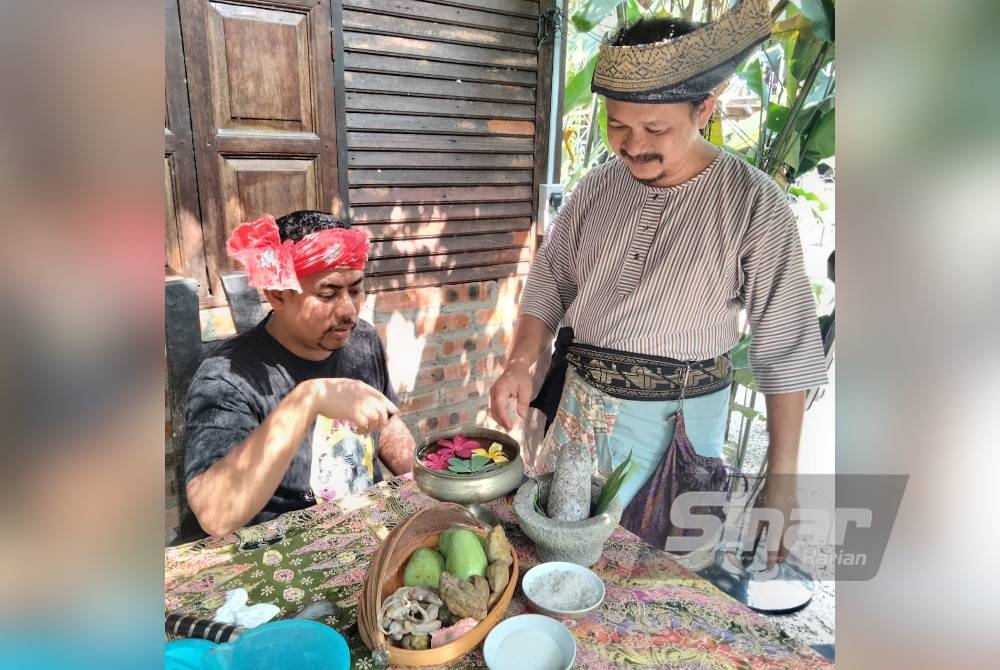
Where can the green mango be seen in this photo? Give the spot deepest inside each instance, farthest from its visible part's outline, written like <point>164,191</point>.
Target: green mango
<point>444,541</point>
<point>424,568</point>
<point>466,556</point>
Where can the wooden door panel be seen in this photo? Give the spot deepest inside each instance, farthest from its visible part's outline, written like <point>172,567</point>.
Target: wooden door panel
<point>174,261</point>
<point>260,68</point>
<point>184,253</point>
<point>266,186</point>
<point>264,120</point>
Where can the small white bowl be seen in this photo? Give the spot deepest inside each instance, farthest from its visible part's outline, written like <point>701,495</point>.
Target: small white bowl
<point>532,576</point>
<point>529,642</point>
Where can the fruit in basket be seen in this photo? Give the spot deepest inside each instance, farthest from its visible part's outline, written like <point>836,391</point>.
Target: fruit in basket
<point>465,556</point>
<point>444,542</point>
<point>424,568</point>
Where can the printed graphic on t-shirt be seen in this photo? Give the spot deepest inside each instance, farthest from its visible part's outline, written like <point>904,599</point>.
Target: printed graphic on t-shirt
<point>343,461</point>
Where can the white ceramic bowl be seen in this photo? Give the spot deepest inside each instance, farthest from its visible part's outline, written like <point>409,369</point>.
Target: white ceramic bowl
<point>529,642</point>
<point>531,580</point>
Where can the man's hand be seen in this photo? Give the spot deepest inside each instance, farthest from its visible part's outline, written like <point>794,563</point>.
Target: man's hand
<point>779,494</point>
<point>351,400</point>
<point>784,428</point>
<point>514,384</point>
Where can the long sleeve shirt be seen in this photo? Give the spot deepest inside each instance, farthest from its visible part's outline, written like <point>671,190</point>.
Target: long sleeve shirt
<point>667,271</point>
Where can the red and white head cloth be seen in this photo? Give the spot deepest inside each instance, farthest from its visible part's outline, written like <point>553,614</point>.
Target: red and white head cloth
<point>273,264</point>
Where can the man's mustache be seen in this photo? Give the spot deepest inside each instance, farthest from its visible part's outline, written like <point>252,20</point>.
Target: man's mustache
<point>343,323</point>
<point>642,157</point>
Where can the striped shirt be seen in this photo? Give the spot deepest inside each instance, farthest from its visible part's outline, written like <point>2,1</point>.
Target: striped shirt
<point>667,271</point>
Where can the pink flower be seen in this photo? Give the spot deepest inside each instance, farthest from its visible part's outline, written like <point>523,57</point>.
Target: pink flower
<point>461,446</point>
<point>439,459</point>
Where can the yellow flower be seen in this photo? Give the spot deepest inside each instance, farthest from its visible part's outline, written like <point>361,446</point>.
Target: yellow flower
<point>495,453</point>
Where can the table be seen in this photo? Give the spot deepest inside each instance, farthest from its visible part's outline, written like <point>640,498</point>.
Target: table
<point>656,613</point>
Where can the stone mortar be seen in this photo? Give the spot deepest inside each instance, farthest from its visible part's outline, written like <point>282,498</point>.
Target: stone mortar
<point>580,542</point>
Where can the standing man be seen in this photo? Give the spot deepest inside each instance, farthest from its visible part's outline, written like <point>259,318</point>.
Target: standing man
<point>300,409</point>
<point>648,267</point>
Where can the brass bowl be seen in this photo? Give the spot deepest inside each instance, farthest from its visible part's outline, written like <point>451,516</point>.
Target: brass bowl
<point>469,489</point>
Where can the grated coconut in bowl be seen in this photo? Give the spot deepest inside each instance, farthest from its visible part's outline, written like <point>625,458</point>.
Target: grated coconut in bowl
<point>564,591</point>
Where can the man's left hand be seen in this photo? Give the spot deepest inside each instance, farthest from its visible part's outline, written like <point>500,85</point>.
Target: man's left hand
<point>779,493</point>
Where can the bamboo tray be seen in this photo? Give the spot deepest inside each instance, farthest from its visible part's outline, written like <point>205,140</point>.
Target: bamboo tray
<point>385,575</point>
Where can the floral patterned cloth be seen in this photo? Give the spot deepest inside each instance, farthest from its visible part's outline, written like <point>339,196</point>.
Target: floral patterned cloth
<point>656,612</point>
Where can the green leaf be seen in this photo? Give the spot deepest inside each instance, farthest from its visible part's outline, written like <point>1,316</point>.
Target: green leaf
<point>740,355</point>
<point>820,14</point>
<point>477,462</point>
<point>747,412</point>
<point>753,75</point>
<point>459,465</point>
<point>777,116</point>
<point>602,122</point>
<point>808,195</point>
<point>610,489</point>
<point>793,153</point>
<point>817,289</point>
<point>820,143</point>
<point>538,506</point>
<point>592,12</point>
<point>744,377</point>
<point>577,92</point>
<point>632,12</point>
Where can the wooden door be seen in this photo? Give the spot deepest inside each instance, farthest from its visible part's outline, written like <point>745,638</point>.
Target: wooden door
<point>185,253</point>
<point>262,109</point>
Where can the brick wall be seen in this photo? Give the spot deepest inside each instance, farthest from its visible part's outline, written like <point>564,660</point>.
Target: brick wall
<point>445,346</point>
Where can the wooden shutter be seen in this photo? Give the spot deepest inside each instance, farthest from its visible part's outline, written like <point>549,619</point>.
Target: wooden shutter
<point>441,108</point>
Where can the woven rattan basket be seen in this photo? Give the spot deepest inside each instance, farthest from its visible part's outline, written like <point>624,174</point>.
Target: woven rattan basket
<point>385,575</point>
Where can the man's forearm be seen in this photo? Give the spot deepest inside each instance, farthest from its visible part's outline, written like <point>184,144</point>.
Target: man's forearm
<point>532,338</point>
<point>784,427</point>
<point>396,446</point>
<point>237,487</point>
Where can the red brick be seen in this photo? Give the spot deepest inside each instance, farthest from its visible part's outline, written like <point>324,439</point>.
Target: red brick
<point>474,292</point>
<point>442,373</point>
<point>488,366</point>
<point>442,323</point>
<point>465,345</point>
<point>407,299</point>
<point>418,402</point>
<point>429,353</point>
<point>463,392</point>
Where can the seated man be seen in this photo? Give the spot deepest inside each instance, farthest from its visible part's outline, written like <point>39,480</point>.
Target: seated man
<point>300,409</point>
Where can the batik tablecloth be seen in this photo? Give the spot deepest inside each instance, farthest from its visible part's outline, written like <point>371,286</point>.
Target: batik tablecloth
<point>656,612</point>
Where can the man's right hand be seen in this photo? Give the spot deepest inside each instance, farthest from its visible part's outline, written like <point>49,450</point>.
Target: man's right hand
<point>351,400</point>
<point>514,384</point>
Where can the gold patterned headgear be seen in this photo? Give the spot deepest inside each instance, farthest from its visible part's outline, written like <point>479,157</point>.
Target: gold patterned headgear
<point>686,67</point>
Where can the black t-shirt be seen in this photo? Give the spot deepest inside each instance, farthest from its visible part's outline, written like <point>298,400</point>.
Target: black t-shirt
<point>241,382</point>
